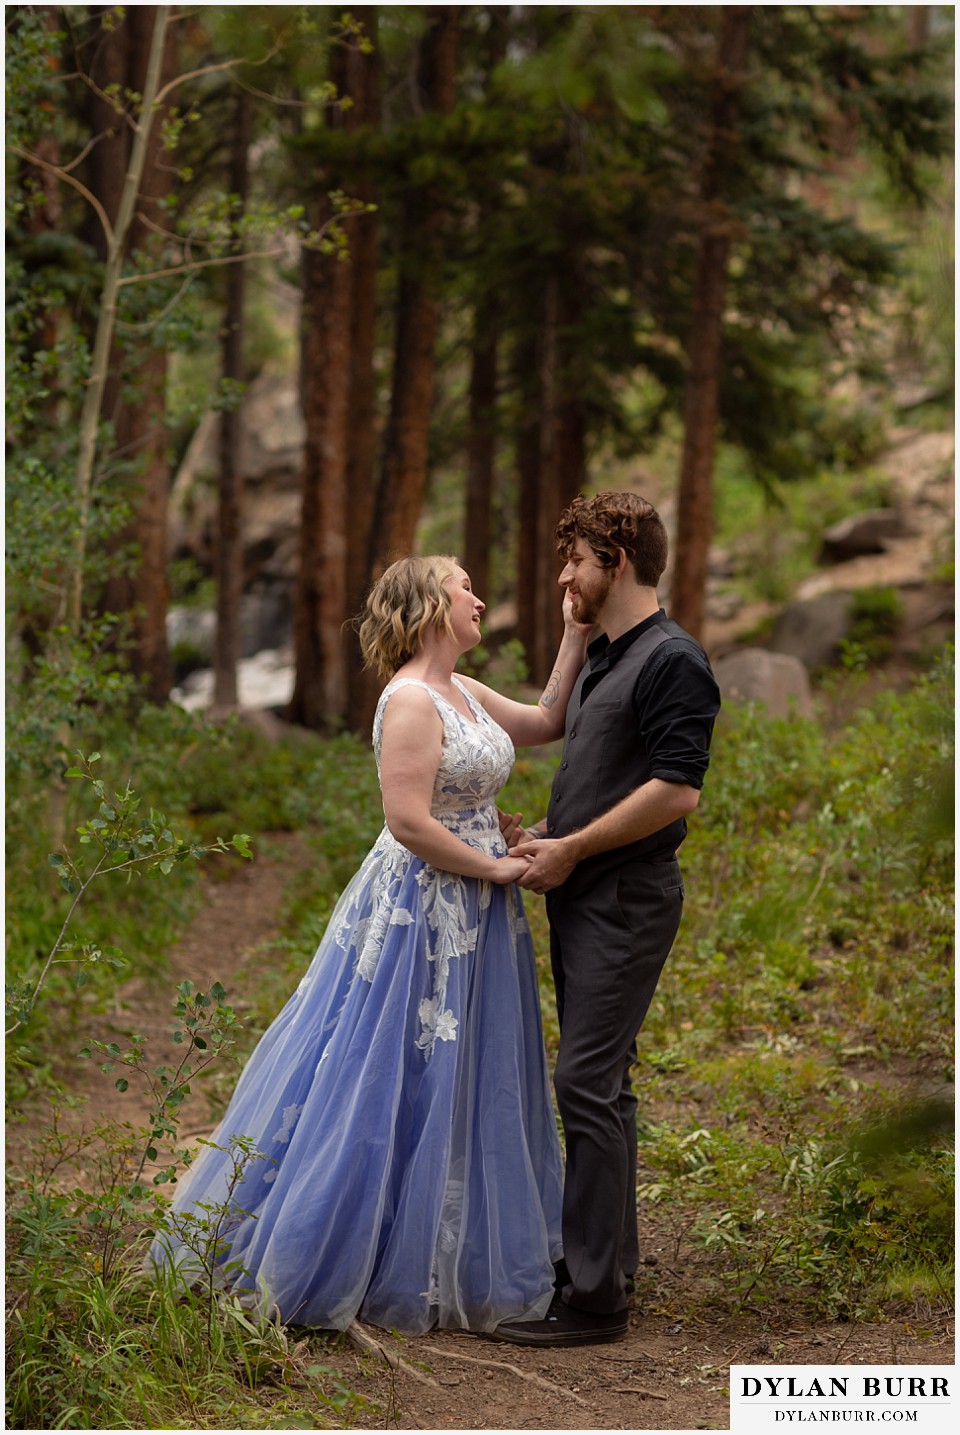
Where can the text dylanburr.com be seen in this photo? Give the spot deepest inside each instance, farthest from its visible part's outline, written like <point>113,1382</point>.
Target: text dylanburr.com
<point>766,1398</point>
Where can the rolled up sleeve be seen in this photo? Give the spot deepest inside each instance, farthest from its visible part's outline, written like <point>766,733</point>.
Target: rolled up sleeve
<point>676,702</point>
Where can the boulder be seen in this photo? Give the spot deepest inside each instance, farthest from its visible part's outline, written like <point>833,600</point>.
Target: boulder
<point>266,621</point>
<point>870,531</point>
<point>776,681</point>
<point>812,629</point>
<point>263,681</point>
<point>191,633</point>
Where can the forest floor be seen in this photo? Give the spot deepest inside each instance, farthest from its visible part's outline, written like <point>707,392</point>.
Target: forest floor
<point>669,1373</point>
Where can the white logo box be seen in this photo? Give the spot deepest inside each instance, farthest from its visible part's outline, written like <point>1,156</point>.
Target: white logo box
<point>767,1398</point>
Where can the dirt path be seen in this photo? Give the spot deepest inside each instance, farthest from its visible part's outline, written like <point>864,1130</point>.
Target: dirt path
<point>669,1373</point>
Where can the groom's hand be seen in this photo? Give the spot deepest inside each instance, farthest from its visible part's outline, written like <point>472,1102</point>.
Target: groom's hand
<point>550,863</point>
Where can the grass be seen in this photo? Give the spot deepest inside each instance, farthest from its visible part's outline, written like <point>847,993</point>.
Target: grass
<point>795,1145</point>
<point>132,1355</point>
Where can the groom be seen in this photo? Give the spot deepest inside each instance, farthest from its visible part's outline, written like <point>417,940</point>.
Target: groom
<point>638,732</point>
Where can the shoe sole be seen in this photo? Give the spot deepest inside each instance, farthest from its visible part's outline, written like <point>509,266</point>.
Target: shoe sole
<point>573,1337</point>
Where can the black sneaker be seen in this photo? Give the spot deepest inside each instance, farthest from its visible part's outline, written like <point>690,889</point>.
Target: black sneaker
<point>564,1325</point>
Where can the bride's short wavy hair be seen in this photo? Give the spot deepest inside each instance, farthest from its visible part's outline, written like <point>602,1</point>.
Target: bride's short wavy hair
<point>405,602</point>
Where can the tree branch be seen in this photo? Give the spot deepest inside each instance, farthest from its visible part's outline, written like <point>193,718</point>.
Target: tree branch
<point>58,943</point>
<point>68,178</point>
<point>505,1365</point>
<point>356,1334</point>
<point>197,264</point>
<point>213,70</point>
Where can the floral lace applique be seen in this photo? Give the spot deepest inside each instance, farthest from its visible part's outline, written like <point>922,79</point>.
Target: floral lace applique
<point>476,760</point>
<point>289,1121</point>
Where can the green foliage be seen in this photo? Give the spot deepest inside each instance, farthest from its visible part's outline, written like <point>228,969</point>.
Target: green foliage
<point>124,1355</point>
<point>84,1310</point>
<point>98,1343</point>
<point>782,1139</point>
<point>813,964</point>
<point>811,982</point>
<point>205,1034</point>
<point>775,531</point>
<point>120,841</point>
<point>877,614</point>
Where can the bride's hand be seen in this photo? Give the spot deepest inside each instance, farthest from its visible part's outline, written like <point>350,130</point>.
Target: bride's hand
<point>570,623</point>
<point>509,869</point>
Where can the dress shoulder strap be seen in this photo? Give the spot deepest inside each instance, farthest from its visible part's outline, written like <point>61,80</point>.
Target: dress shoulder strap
<point>397,683</point>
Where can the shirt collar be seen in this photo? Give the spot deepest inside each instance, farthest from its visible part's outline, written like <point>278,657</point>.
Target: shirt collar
<point>603,654</point>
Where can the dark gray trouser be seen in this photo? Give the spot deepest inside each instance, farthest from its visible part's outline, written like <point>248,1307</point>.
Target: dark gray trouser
<point>610,936</point>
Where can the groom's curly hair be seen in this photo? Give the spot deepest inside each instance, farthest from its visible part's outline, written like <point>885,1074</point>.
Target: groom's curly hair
<point>610,521</point>
<point>404,603</point>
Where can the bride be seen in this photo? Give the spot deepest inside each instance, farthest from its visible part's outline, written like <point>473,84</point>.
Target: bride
<point>407,1167</point>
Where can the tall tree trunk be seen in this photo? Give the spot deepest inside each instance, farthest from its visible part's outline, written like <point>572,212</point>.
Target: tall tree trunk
<point>320,598</point>
<point>44,215</point>
<point>229,546</point>
<point>482,399</point>
<point>363,86</point>
<point>41,218</point>
<point>547,511</point>
<point>404,473</point>
<point>92,410</point>
<point>116,233</point>
<point>527,382</point>
<point>134,398</point>
<point>481,445</point>
<point>918,25</point>
<point>553,469</point>
<point>701,397</point>
<point>564,450</point>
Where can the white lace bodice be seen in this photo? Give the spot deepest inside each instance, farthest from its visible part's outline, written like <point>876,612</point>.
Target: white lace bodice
<point>475,762</point>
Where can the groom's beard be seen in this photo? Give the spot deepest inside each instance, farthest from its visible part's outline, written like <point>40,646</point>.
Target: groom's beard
<point>591,597</point>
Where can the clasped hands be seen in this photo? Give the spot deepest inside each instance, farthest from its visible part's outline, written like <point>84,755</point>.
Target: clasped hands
<point>548,860</point>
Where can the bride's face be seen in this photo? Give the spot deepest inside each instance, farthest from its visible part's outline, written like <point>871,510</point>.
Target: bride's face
<point>465,609</point>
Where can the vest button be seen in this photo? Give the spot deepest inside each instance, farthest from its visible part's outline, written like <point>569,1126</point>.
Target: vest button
<point>564,764</point>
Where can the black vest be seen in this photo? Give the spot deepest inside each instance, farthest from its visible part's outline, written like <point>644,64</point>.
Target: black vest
<point>605,758</point>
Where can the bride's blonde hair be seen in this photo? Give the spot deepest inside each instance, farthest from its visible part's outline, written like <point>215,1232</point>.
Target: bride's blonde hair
<point>403,605</point>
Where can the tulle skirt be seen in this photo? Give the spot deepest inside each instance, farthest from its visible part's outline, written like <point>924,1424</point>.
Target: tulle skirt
<point>409,1169</point>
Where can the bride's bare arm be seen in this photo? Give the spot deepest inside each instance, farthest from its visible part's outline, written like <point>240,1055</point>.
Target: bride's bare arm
<point>530,724</point>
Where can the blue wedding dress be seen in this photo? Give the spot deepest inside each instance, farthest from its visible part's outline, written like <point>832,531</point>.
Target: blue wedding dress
<point>410,1171</point>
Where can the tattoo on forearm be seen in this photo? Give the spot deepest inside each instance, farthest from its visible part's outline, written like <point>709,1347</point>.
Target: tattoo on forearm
<point>552,691</point>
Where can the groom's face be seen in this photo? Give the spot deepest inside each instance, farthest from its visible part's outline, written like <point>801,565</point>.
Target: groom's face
<point>588,581</point>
